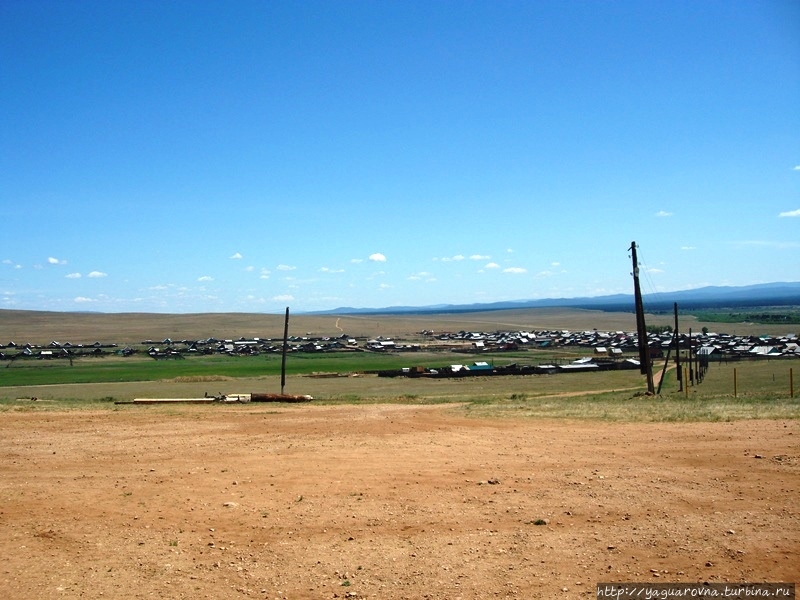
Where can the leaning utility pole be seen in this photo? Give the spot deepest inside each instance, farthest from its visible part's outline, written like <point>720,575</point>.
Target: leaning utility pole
<point>641,330</point>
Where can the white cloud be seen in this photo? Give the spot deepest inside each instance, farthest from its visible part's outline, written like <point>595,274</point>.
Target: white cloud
<point>250,268</point>
<point>456,258</point>
<point>329,270</point>
<point>283,298</point>
<point>663,213</point>
<point>73,276</point>
<point>654,270</point>
<point>688,248</point>
<point>97,274</point>
<point>492,265</point>
<point>384,286</point>
<point>55,261</point>
<point>768,244</point>
<point>8,261</point>
<point>285,268</point>
<point>479,257</point>
<point>356,261</point>
<point>236,256</point>
<point>515,270</point>
<point>555,264</point>
<point>422,275</point>
<point>790,213</point>
<point>797,168</point>
<point>377,257</point>
<point>205,278</point>
<point>83,299</point>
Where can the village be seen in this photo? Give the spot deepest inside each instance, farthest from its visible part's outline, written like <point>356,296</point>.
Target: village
<point>600,345</point>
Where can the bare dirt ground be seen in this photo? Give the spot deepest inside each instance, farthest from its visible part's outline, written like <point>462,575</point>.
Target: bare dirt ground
<point>386,501</point>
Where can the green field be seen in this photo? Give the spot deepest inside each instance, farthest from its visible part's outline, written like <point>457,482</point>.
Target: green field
<point>785,315</point>
<point>140,367</point>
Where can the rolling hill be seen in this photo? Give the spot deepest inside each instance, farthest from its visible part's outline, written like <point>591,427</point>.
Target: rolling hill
<point>765,294</point>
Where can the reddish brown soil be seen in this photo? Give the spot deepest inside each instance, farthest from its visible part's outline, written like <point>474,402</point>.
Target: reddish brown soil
<point>386,501</point>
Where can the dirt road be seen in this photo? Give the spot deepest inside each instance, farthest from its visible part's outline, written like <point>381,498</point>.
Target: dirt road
<point>386,501</point>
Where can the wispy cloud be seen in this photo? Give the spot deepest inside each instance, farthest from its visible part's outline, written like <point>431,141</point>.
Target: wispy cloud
<point>236,256</point>
<point>56,261</point>
<point>205,278</point>
<point>73,276</point>
<point>479,257</point>
<point>663,213</point>
<point>768,244</point>
<point>515,270</point>
<point>688,248</point>
<point>797,168</point>
<point>790,213</point>
<point>422,276</point>
<point>97,274</point>
<point>377,257</point>
<point>329,270</point>
<point>285,268</point>
<point>84,299</point>
<point>456,258</point>
<point>283,298</point>
<point>491,265</point>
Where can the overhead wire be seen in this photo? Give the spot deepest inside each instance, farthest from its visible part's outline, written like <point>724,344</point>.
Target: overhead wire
<point>643,268</point>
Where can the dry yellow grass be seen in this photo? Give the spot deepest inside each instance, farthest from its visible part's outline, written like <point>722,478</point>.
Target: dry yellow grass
<point>124,328</point>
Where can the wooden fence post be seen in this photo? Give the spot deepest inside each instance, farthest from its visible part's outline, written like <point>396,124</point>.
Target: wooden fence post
<point>686,382</point>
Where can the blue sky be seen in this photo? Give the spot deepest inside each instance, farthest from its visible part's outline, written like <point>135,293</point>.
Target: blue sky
<point>194,156</point>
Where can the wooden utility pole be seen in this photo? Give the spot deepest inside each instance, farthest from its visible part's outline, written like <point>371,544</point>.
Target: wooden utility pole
<point>675,342</point>
<point>641,329</point>
<point>285,348</point>
<point>678,349</point>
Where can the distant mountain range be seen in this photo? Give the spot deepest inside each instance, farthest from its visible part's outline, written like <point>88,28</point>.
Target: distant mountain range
<point>764,294</point>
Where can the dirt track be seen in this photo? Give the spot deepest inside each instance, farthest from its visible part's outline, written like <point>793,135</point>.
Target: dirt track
<point>386,501</point>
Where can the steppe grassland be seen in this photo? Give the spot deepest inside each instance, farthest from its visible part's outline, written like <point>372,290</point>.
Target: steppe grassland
<point>763,387</point>
<point>124,328</point>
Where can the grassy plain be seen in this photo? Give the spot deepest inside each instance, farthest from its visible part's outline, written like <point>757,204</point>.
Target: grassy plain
<point>762,390</point>
<point>125,328</point>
